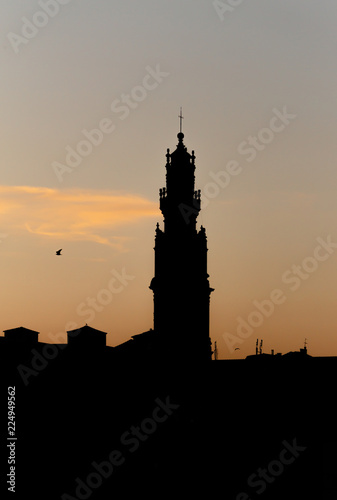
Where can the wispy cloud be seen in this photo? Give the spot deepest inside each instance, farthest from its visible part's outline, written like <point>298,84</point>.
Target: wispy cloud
<point>72,214</point>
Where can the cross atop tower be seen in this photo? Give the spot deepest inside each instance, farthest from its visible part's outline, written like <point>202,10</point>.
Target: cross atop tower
<point>181,119</point>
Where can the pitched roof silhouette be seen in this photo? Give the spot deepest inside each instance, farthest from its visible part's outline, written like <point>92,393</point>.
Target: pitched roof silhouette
<point>21,334</point>
<point>86,335</point>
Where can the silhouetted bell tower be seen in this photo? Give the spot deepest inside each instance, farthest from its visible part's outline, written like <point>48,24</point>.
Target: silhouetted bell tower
<point>180,286</point>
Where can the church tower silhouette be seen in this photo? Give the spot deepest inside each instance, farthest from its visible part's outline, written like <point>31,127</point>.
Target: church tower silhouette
<point>180,286</point>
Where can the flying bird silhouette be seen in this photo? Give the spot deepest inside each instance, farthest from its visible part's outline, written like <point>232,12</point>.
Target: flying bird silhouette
<point>58,252</point>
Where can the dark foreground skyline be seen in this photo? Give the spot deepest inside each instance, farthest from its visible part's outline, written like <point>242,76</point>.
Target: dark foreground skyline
<point>128,420</point>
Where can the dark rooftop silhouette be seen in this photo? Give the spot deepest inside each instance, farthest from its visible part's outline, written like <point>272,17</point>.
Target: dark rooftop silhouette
<point>86,337</point>
<point>21,336</point>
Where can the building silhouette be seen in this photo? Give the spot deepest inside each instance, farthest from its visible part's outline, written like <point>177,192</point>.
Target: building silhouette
<point>181,290</point>
<point>86,338</point>
<point>18,337</point>
<point>155,415</point>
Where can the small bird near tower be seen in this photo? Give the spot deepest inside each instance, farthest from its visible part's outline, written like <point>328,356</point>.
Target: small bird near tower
<point>58,252</point>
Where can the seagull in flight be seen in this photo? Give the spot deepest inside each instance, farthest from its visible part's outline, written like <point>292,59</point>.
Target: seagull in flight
<point>58,252</point>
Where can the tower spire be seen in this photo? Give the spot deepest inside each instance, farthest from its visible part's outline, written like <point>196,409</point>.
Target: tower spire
<point>181,290</point>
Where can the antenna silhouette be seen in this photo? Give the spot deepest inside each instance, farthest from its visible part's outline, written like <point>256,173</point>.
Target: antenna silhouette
<point>305,350</point>
<point>215,351</point>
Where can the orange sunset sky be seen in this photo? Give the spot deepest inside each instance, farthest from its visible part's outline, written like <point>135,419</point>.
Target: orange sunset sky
<point>90,97</point>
